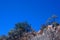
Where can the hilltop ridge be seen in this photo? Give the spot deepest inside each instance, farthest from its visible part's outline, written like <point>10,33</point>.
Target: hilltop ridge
<point>24,31</point>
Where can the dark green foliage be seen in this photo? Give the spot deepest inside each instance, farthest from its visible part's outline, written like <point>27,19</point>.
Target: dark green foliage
<point>55,24</point>
<point>25,27</point>
<point>19,30</point>
<point>51,20</point>
<point>43,26</point>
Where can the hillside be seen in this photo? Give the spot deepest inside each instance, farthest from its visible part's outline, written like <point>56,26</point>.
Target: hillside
<point>49,33</point>
<point>24,31</point>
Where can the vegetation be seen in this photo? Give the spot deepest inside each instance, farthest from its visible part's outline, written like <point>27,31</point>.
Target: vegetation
<point>23,30</point>
<point>18,31</point>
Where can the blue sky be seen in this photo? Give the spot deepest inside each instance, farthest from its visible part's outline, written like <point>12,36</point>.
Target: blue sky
<point>35,12</point>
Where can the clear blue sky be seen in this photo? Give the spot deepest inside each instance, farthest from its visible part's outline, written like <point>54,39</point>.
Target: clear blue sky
<point>36,12</point>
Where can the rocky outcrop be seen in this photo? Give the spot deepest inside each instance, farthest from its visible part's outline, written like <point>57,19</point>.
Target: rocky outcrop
<point>49,33</point>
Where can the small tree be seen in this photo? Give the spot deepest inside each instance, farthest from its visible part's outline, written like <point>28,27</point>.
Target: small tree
<point>24,26</point>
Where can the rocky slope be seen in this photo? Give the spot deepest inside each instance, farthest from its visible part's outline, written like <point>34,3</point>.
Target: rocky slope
<point>51,32</point>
